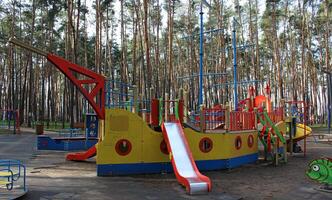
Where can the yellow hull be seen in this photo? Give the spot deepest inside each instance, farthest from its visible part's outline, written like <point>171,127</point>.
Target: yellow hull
<point>146,143</point>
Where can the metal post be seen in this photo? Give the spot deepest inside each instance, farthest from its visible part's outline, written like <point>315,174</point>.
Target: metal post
<point>235,65</point>
<point>200,96</point>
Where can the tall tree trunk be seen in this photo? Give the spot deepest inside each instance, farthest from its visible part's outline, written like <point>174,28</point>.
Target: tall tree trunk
<point>170,46</point>
<point>147,45</point>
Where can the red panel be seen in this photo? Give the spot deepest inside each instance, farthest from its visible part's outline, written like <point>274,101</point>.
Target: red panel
<point>91,77</point>
<point>155,112</point>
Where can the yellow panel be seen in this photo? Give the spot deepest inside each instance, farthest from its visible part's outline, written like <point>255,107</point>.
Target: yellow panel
<point>223,144</point>
<point>119,123</point>
<point>146,142</point>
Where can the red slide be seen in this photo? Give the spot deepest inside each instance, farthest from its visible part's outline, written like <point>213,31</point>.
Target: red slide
<point>184,166</point>
<point>82,155</point>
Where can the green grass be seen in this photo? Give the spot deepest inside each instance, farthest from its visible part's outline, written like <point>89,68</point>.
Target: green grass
<point>5,131</point>
<point>52,126</point>
<point>5,122</point>
<point>4,126</point>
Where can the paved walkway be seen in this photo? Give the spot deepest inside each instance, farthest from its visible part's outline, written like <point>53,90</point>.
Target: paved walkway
<point>50,176</point>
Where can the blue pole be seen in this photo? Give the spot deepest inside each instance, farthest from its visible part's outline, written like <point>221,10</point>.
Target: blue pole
<point>235,65</point>
<point>200,96</point>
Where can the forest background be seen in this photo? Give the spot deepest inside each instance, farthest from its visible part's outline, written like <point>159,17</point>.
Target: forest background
<point>155,44</point>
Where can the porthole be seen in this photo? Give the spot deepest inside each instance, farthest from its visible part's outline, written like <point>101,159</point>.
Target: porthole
<point>250,141</point>
<point>205,145</point>
<point>123,147</point>
<point>238,142</point>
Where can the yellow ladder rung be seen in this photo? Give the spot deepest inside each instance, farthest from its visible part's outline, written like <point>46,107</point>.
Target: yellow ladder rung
<point>4,182</point>
<point>7,174</point>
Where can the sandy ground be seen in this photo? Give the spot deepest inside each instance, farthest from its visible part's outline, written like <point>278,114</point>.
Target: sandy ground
<point>51,177</point>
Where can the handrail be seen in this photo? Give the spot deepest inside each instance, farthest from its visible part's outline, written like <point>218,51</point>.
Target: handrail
<point>11,181</point>
<point>265,123</point>
<point>15,163</point>
<point>275,129</point>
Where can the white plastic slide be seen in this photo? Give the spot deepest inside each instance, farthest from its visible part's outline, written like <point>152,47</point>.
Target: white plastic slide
<point>183,163</point>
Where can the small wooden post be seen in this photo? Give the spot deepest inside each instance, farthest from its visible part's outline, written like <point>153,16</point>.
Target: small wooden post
<point>144,114</point>
<point>101,129</point>
<point>166,108</point>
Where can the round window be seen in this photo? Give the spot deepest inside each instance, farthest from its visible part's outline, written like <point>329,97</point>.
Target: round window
<point>123,147</point>
<point>250,141</point>
<point>238,142</point>
<point>205,145</point>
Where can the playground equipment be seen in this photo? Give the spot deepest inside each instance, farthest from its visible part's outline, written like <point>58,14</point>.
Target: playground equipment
<point>71,141</point>
<point>272,135</point>
<point>12,179</point>
<point>320,170</point>
<point>296,117</point>
<point>147,136</point>
<point>183,163</point>
<point>10,119</point>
